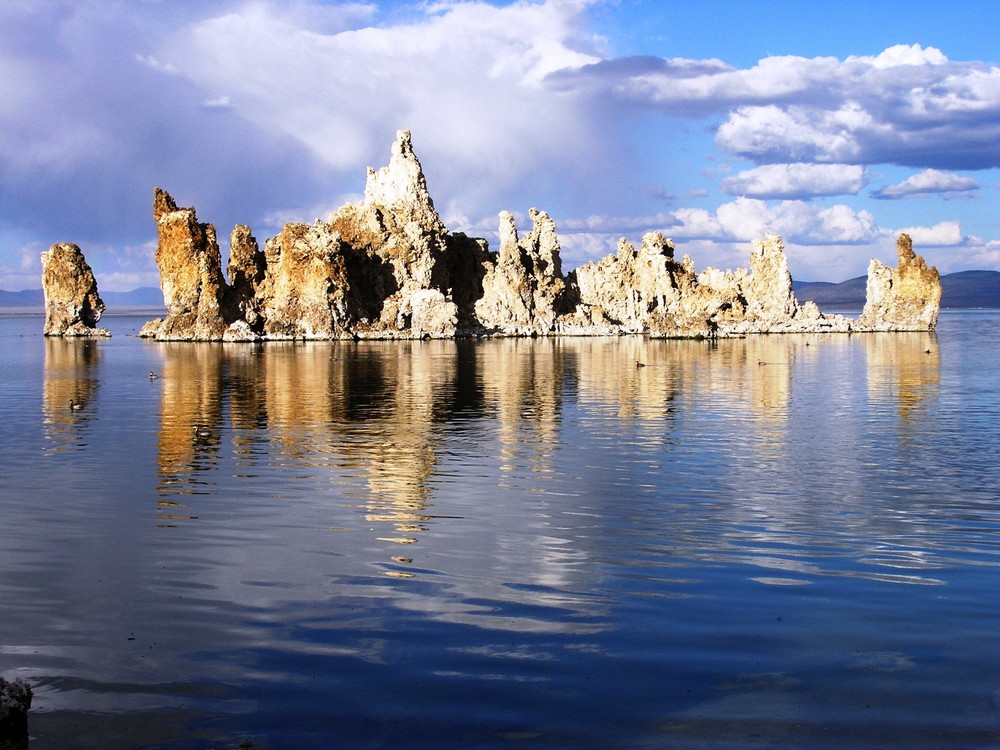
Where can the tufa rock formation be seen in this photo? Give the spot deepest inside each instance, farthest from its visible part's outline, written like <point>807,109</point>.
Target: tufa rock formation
<point>522,287</point>
<point>194,290</point>
<point>904,298</point>
<point>15,702</point>
<point>648,291</point>
<point>72,304</point>
<point>387,267</point>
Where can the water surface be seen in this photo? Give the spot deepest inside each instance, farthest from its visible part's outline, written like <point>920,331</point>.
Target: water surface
<point>503,543</point>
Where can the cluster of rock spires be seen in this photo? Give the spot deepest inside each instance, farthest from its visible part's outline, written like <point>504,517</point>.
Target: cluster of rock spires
<point>387,267</point>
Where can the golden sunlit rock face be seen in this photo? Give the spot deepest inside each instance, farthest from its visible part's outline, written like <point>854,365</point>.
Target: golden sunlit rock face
<point>904,298</point>
<point>387,267</point>
<point>72,304</point>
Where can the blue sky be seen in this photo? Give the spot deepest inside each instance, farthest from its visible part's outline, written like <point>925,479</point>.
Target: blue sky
<point>836,125</point>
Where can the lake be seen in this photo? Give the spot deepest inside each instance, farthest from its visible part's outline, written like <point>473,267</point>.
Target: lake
<point>780,540</point>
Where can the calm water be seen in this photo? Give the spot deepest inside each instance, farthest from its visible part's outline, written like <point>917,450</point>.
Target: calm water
<point>787,540</point>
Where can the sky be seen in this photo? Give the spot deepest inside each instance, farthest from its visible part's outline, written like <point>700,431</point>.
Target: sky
<point>836,125</point>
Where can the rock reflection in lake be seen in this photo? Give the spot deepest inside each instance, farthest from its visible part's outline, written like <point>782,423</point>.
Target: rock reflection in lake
<point>368,415</point>
<point>70,379</point>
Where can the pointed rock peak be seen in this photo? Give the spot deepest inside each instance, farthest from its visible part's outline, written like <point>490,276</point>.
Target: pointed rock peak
<point>771,245</point>
<point>904,248</point>
<point>507,229</point>
<point>401,183</point>
<point>655,244</point>
<point>507,220</point>
<point>162,203</point>
<point>403,145</point>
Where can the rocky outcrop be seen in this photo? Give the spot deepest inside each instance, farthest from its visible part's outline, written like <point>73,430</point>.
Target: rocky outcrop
<point>397,251</point>
<point>246,270</point>
<point>15,702</point>
<point>387,267</point>
<point>904,298</point>
<point>195,292</point>
<point>523,287</point>
<point>629,287</point>
<point>646,290</point>
<point>304,287</point>
<point>72,303</point>
<point>761,300</point>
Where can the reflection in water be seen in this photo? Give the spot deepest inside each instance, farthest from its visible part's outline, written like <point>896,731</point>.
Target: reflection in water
<point>903,369</point>
<point>399,455</point>
<point>70,376</point>
<point>368,418</point>
<point>190,420</point>
<point>522,384</point>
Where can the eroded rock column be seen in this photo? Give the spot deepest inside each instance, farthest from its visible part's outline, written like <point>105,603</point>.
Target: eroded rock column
<point>72,303</point>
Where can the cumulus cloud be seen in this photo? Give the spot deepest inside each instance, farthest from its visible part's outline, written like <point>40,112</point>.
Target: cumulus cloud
<point>258,110</point>
<point>823,243</point>
<point>942,234</point>
<point>928,181</point>
<point>909,105</point>
<point>743,219</point>
<point>452,76</point>
<point>251,110</point>
<point>796,180</point>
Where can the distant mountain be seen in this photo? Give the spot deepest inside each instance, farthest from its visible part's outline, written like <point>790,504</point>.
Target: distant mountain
<point>147,297</point>
<point>965,289</point>
<point>826,294</point>
<point>27,298</point>
<point>971,289</point>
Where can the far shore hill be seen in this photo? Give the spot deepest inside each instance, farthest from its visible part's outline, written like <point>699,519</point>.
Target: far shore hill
<point>960,290</point>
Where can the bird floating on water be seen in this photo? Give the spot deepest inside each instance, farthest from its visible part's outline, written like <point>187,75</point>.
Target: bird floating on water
<point>202,432</point>
<point>153,375</point>
<point>75,405</point>
<point>640,364</point>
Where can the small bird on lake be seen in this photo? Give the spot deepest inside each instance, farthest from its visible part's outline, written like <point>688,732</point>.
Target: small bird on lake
<point>153,375</point>
<point>640,364</point>
<point>202,432</point>
<point>75,405</point>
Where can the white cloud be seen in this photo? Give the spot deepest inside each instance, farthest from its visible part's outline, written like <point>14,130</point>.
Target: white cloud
<point>908,105</point>
<point>771,133</point>
<point>156,64</point>
<point>903,54</point>
<point>451,76</point>
<point>743,219</point>
<point>219,102</point>
<point>31,261</point>
<point>620,224</point>
<point>797,221</point>
<point>928,181</point>
<point>258,111</point>
<point>944,233</point>
<point>796,180</point>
